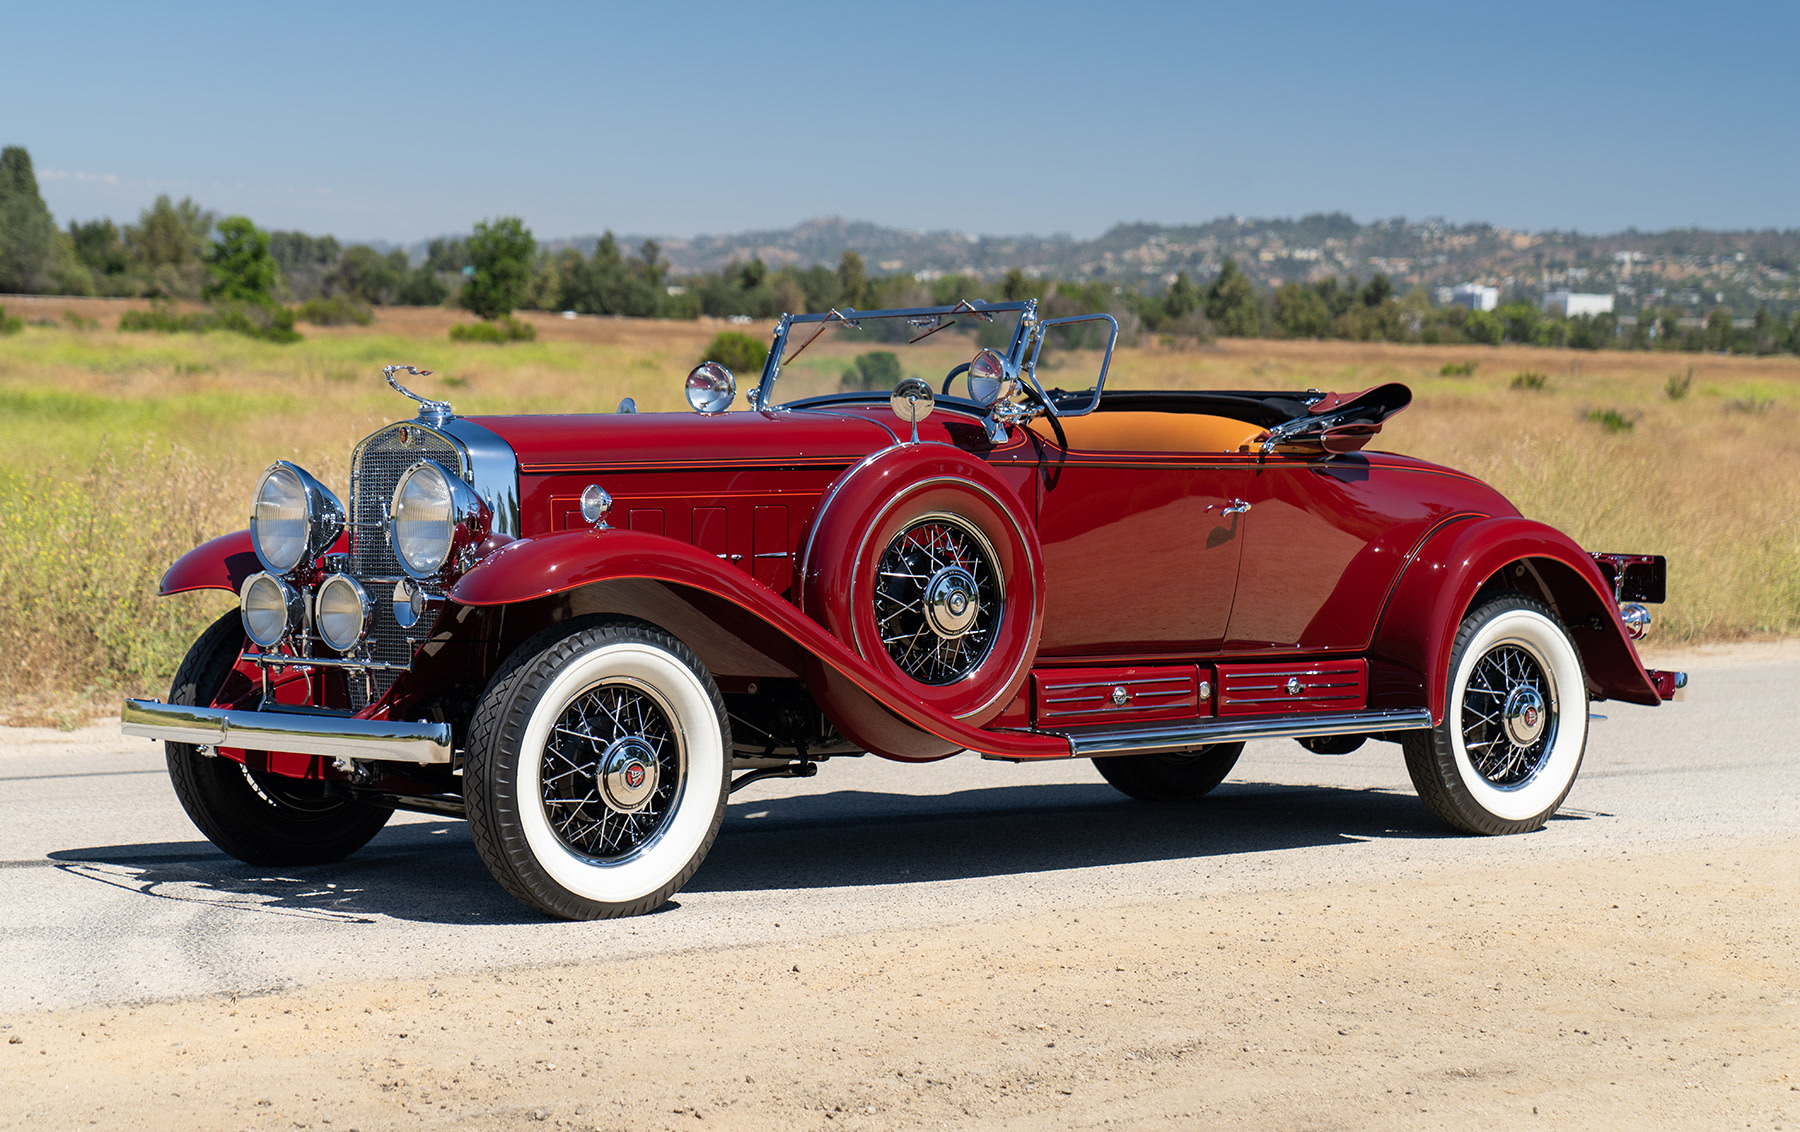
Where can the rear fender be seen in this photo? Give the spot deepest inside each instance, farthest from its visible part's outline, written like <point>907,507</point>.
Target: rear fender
<point>1464,561</point>
<point>221,564</point>
<point>624,570</point>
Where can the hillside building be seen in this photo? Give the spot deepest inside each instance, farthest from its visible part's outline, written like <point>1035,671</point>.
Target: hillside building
<point>1475,296</point>
<point>1569,304</point>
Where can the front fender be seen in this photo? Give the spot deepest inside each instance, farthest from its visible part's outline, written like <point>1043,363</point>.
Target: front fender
<point>220,564</point>
<point>554,564</point>
<point>1422,615</point>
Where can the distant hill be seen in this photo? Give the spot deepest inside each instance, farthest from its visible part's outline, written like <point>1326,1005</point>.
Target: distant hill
<point>1683,267</point>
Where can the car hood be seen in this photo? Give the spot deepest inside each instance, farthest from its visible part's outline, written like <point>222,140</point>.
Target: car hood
<point>569,443</point>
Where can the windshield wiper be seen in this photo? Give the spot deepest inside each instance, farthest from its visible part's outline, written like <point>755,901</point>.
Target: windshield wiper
<point>845,319</point>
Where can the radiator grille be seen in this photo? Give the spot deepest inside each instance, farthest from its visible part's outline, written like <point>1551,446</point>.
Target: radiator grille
<point>377,469</point>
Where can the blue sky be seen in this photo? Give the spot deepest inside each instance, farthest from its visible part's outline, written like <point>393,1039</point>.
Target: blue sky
<point>401,121</point>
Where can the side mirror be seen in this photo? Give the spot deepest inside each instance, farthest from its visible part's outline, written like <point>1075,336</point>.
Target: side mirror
<point>711,388</point>
<point>988,382</point>
<point>912,402</point>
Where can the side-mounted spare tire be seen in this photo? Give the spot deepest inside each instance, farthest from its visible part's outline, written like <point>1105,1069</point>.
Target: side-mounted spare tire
<point>923,560</point>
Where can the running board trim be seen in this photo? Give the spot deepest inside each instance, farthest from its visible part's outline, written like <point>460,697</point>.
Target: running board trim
<point>1088,743</point>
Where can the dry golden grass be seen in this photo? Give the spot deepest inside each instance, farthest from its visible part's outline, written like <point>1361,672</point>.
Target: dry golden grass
<point>118,452</point>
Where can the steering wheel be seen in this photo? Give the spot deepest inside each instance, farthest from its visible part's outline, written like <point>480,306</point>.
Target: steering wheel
<point>955,373</point>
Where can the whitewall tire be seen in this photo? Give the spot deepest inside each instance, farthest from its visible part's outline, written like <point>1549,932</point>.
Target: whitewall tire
<point>598,770</point>
<point>1515,722</point>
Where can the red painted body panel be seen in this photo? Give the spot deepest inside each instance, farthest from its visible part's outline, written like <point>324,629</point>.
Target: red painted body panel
<point>1325,539</point>
<point>218,564</point>
<point>558,563</point>
<point>1421,618</point>
<point>669,441</point>
<point>1307,686</point>
<point>1078,697</point>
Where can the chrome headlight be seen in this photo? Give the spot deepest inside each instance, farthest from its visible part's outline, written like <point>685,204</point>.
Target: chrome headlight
<point>269,607</point>
<point>435,514</point>
<point>294,519</point>
<point>341,610</point>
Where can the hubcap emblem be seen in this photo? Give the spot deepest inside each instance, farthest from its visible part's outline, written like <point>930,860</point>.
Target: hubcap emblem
<point>1523,717</point>
<point>949,602</point>
<point>627,774</point>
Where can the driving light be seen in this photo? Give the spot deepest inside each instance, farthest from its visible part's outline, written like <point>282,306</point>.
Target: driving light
<point>294,518</point>
<point>342,610</point>
<point>711,388</point>
<point>434,513</point>
<point>269,607</point>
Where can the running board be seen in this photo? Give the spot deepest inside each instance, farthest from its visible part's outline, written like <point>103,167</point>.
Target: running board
<point>1090,743</point>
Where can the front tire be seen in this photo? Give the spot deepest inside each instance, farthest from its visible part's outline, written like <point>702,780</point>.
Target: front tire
<point>261,819</point>
<point>1185,777</point>
<point>598,770</point>
<point>1515,722</point>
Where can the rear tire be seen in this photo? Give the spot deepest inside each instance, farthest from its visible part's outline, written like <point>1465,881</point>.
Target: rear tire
<point>1185,777</point>
<point>1515,722</point>
<point>261,819</point>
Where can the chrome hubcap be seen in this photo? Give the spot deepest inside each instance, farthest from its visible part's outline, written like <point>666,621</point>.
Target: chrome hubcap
<point>627,774</point>
<point>1508,716</point>
<point>1524,715</point>
<point>950,603</point>
<point>938,599</point>
<point>611,771</point>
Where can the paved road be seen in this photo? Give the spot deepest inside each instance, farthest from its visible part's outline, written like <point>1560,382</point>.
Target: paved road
<point>108,895</point>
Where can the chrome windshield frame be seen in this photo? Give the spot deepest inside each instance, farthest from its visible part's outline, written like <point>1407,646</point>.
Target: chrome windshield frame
<point>762,397</point>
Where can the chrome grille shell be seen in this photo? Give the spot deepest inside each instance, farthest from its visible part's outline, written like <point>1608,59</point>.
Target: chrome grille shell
<point>375,469</point>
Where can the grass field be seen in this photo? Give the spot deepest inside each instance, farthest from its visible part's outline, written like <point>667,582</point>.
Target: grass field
<point>120,451</point>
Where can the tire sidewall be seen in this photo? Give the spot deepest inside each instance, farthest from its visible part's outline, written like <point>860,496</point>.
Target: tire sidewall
<point>670,857</point>
<point>1521,624</point>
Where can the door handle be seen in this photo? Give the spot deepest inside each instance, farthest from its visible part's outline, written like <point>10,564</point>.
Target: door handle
<point>1236,507</point>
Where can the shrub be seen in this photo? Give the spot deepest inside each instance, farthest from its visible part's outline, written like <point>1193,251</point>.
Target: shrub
<point>879,369</point>
<point>339,310</point>
<point>1678,384</point>
<point>75,322</point>
<point>271,323</point>
<point>737,352</point>
<point>499,331</point>
<point>1458,369</point>
<point>1531,380</point>
<point>9,325</point>
<point>1613,420</point>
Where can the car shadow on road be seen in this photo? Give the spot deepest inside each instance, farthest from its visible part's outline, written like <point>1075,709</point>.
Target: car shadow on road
<point>428,871</point>
<point>852,838</point>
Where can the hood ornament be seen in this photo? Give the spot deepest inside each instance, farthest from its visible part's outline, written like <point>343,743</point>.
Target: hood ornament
<point>430,412</point>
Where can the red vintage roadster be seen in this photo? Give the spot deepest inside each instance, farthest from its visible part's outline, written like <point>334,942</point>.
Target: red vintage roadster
<point>584,632</point>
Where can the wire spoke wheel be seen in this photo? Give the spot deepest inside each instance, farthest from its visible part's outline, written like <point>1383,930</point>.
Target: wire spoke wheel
<point>1508,716</point>
<point>611,770</point>
<point>938,599</point>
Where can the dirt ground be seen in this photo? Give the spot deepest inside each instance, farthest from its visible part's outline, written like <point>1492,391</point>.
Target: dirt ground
<point>1620,991</point>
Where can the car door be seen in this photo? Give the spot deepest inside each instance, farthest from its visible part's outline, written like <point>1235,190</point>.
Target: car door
<point>1142,530</point>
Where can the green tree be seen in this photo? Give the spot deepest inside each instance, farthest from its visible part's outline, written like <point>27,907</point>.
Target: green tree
<point>1302,312</point>
<point>99,246</point>
<point>1016,288</point>
<point>27,234</point>
<point>368,275</point>
<point>852,277</point>
<point>502,253</point>
<point>1182,298</point>
<point>168,247</point>
<point>242,267</point>
<point>1718,329</point>
<point>1232,304</point>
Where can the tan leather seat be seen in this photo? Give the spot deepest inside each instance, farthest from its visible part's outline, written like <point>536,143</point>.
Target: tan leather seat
<point>1151,432</point>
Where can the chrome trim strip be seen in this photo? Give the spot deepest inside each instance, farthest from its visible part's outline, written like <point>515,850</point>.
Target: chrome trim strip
<point>379,740</point>
<point>1097,742</point>
<point>351,663</point>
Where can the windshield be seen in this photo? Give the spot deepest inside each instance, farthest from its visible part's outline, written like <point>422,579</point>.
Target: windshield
<point>853,353</point>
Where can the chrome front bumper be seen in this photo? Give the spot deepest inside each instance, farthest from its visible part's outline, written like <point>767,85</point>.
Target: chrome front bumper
<point>376,740</point>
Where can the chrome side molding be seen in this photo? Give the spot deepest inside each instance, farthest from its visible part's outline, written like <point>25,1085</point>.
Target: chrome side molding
<point>377,740</point>
<point>1087,743</point>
